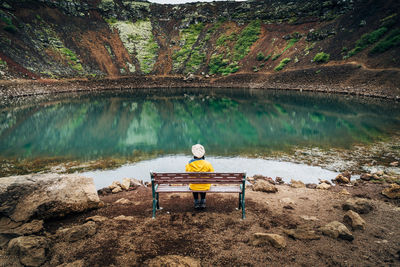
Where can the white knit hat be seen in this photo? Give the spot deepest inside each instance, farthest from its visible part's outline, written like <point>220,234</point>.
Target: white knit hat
<point>198,151</point>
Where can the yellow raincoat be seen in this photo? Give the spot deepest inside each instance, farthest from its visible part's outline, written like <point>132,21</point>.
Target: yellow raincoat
<point>199,165</point>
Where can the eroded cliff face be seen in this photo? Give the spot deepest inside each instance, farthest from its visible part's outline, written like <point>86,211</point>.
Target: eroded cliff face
<point>114,38</point>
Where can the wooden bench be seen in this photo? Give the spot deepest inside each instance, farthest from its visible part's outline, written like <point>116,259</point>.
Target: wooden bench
<point>179,183</point>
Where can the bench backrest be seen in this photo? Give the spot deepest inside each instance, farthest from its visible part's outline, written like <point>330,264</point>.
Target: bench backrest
<point>198,178</point>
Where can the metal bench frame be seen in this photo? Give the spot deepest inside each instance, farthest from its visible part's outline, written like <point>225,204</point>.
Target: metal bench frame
<point>175,183</point>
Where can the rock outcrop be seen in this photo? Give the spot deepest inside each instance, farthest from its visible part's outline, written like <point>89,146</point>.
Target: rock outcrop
<point>78,232</point>
<point>31,250</point>
<point>27,197</point>
<point>359,205</point>
<point>392,192</point>
<point>259,239</point>
<point>354,220</point>
<point>336,230</point>
<point>264,186</point>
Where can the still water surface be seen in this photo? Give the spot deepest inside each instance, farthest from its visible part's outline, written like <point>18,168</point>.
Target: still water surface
<point>156,123</point>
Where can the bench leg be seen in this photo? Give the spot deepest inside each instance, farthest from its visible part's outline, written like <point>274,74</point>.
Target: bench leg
<point>158,201</point>
<point>240,201</point>
<point>243,207</point>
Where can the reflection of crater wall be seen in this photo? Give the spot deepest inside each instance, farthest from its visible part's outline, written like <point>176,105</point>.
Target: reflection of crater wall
<point>118,126</point>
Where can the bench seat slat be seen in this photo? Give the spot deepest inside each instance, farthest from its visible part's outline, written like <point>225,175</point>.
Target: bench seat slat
<point>185,189</point>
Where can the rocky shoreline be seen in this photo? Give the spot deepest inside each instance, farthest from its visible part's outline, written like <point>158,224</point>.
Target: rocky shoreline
<point>346,79</point>
<point>59,220</point>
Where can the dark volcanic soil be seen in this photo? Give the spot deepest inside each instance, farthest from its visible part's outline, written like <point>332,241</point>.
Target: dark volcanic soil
<point>218,236</point>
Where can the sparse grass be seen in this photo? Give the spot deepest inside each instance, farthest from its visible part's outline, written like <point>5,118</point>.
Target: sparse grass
<point>69,54</point>
<point>110,21</point>
<point>366,40</point>
<point>2,63</point>
<point>246,38</point>
<point>260,56</point>
<point>267,57</point>
<point>282,64</point>
<point>219,64</point>
<point>9,26</point>
<point>290,43</point>
<point>321,57</point>
<point>392,40</point>
<point>389,21</point>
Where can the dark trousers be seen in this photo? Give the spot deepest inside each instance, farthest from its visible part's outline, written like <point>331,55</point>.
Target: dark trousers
<point>196,195</point>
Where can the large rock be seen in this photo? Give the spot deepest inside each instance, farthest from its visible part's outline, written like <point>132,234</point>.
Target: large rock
<point>354,220</point>
<point>323,186</point>
<point>275,240</point>
<point>31,250</point>
<point>297,184</point>
<point>359,205</point>
<point>78,232</point>
<point>172,261</point>
<point>392,192</point>
<point>341,179</point>
<point>337,229</point>
<point>10,227</point>
<point>264,186</point>
<point>126,183</point>
<point>47,195</point>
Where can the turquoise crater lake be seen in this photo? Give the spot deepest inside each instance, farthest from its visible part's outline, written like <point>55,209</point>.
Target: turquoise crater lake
<point>156,123</point>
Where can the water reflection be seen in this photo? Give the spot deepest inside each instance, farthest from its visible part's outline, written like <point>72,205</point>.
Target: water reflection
<point>123,124</point>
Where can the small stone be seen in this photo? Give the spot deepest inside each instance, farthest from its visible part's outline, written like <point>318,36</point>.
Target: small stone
<point>323,186</point>
<point>124,218</point>
<point>297,184</point>
<point>309,218</point>
<point>97,218</point>
<point>126,183</point>
<point>336,230</point>
<point>344,192</point>
<point>279,180</point>
<point>302,234</point>
<point>264,186</point>
<point>324,182</point>
<point>116,190</point>
<point>78,232</point>
<point>31,250</point>
<point>114,185</point>
<point>394,164</point>
<point>340,179</point>
<point>287,200</point>
<point>275,240</point>
<point>311,186</point>
<point>392,192</point>
<point>136,183</point>
<point>354,220</point>
<point>359,205</point>
<point>123,201</point>
<point>104,191</point>
<point>365,176</point>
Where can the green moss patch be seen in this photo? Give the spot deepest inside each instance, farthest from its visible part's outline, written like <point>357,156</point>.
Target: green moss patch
<point>321,57</point>
<point>366,40</point>
<point>390,41</point>
<point>282,64</point>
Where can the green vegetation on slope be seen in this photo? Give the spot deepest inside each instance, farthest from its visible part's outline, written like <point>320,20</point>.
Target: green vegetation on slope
<point>390,41</point>
<point>366,40</point>
<point>282,64</point>
<point>290,43</point>
<point>321,57</point>
<point>195,57</point>
<point>224,62</point>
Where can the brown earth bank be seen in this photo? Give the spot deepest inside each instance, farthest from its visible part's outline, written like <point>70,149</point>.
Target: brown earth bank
<point>342,79</point>
<point>126,235</point>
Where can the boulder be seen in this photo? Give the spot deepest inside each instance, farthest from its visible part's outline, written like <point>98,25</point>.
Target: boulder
<point>366,176</point>
<point>104,191</point>
<point>116,190</point>
<point>324,182</point>
<point>392,192</point>
<point>78,232</point>
<point>323,186</point>
<point>31,250</point>
<point>354,220</point>
<point>287,201</point>
<point>259,239</point>
<point>23,198</point>
<point>337,229</point>
<point>136,183</point>
<point>114,185</point>
<point>302,234</point>
<point>7,226</point>
<point>311,186</point>
<point>123,201</point>
<point>172,260</point>
<point>77,263</point>
<point>359,205</point>
<point>297,184</point>
<point>126,183</point>
<point>340,179</point>
<point>264,186</point>
<point>279,180</point>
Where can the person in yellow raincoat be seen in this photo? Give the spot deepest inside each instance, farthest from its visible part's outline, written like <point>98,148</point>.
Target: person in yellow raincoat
<point>199,164</point>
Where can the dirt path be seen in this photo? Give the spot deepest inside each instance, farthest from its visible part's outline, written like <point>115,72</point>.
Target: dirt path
<point>218,236</point>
